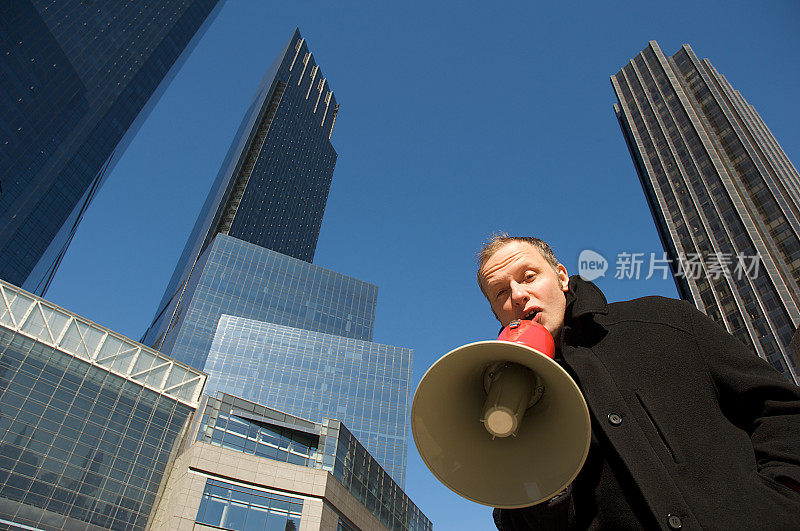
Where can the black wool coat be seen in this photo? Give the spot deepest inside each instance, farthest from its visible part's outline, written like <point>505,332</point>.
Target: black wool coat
<point>690,429</point>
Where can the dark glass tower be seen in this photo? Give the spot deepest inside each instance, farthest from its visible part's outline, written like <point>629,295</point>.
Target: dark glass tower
<point>273,185</point>
<point>721,191</point>
<point>246,306</point>
<point>77,79</point>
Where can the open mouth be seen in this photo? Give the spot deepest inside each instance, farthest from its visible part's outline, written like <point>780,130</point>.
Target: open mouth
<point>533,315</point>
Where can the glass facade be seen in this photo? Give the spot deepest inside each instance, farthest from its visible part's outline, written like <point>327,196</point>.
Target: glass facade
<point>77,81</point>
<point>239,278</point>
<point>314,376</point>
<point>721,190</point>
<point>273,185</point>
<point>88,419</point>
<point>252,428</point>
<point>262,439</point>
<point>355,468</point>
<point>341,525</point>
<point>230,506</point>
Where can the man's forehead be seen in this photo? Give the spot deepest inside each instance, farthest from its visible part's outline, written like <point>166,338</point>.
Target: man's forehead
<point>507,255</point>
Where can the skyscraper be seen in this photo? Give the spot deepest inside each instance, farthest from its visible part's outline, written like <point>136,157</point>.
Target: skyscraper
<point>77,80</point>
<point>246,305</point>
<point>273,184</point>
<point>724,196</point>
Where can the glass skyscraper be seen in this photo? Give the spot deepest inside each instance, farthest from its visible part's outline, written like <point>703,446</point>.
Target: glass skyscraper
<point>724,196</point>
<point>246,304</point>
<point>88,419</point>
<point>273,184</point>
<point>77,79</point>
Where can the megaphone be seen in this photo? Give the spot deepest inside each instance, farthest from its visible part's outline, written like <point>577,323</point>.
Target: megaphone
<point>500,422</point>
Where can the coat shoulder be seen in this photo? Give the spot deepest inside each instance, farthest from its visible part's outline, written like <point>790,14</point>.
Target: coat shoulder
<point>653,309</point>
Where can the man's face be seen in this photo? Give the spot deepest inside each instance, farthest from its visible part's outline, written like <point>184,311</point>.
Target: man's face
<point>521,284</point>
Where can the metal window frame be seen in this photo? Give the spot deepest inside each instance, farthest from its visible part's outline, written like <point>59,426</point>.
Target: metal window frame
<point>112,352</point>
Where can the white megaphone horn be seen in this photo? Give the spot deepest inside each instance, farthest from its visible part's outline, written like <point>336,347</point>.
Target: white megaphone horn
<point>500,422</point>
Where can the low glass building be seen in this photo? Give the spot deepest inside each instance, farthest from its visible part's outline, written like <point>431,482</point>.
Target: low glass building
<point>314,376</point>
<point>88,419</point>
<point>245,466</point>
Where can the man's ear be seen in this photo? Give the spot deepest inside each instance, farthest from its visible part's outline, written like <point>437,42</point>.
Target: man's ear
<point>563,277</point>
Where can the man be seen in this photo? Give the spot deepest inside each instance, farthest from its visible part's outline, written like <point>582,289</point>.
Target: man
<point>690,430</point>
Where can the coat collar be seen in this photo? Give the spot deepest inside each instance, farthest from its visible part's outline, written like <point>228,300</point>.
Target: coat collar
<point>583,298</point>
<point>584,302</point>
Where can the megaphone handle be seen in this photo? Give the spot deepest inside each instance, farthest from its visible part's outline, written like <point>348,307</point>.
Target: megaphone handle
<point>511,390</point>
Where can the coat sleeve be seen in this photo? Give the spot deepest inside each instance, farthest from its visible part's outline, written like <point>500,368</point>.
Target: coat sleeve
<point>756,397</point>
<point>554,514</point>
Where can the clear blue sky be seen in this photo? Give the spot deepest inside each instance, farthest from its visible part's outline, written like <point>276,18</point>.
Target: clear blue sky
<point>457,119</point>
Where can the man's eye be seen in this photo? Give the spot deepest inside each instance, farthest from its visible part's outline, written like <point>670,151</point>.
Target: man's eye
<point>500,294</point>
<point>529,276</point>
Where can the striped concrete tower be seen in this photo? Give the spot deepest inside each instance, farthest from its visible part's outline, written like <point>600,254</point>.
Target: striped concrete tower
<point>724,196</point>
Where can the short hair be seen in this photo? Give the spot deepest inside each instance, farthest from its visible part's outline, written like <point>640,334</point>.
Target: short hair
<point>499,240</point>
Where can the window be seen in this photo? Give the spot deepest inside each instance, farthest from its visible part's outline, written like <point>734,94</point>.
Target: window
<point>239,508</point>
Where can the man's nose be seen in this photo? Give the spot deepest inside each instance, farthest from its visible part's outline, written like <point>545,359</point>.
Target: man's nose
<point>519,295</point>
